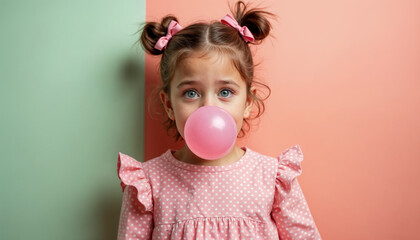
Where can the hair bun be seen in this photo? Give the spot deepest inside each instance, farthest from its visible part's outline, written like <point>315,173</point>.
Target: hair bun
<point>255,19</point>
<point>151,33</point>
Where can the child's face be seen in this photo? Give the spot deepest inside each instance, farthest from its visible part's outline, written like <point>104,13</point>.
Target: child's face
<point>200,81</point>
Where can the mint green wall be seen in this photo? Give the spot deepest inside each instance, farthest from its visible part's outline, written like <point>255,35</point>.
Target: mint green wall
<point>69,102</point>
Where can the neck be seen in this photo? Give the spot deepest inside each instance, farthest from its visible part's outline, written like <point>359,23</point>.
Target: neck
<point>185,155</point>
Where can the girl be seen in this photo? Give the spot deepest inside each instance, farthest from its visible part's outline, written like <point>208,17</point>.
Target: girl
<point>244,194</point>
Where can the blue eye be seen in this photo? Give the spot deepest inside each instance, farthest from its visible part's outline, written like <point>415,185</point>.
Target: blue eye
<point>190,94</point>
<point>225,93</point>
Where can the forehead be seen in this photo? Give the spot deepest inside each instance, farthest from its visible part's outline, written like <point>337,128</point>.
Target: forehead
<point>206,64</point>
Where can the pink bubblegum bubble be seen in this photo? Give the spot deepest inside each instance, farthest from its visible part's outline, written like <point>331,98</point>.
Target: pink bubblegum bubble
<point>210,132</point>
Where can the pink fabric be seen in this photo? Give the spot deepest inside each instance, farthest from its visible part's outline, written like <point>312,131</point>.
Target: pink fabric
<point>173,28</point>
<point>244,31</point>
<point>257,197</point>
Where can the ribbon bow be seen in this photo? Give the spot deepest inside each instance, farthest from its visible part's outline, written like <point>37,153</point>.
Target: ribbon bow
<point>244,31</point>
<point>173,28</point>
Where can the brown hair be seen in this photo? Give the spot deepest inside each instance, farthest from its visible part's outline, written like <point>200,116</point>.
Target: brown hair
<point>208,37</point>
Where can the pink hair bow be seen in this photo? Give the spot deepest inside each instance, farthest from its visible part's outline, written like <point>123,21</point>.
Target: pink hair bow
<point>244,31</point>
<point>173,28</point>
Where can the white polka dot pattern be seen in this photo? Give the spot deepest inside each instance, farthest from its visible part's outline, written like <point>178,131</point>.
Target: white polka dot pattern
<point>290,210</point>
<point>257,197</point>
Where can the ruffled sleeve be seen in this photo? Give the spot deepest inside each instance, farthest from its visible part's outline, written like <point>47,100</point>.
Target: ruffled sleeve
<point>136,217</point>
<point>290,209</point>
<point>131,173</point>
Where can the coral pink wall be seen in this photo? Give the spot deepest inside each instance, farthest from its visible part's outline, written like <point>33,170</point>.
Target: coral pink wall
<point>345,80</point>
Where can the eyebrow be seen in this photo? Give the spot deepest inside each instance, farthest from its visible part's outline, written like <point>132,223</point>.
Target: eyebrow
<point>188,82</point>
<point>228,82</point>
<point>222,82</point>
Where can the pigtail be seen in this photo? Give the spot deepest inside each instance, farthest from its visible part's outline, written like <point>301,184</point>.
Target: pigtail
<point>151,33</point>
<point>255,19</point>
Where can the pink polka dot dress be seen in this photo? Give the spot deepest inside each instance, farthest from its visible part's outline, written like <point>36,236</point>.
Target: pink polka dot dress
<point>257,197</point>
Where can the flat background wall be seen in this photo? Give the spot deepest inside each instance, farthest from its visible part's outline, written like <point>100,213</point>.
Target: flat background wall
<point>69,101</point>
<point>345,81</point>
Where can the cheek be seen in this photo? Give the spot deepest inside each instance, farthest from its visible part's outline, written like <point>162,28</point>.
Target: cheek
<point>180,128</point>
<point>239,121</point>
<point>238,117</point>
<point>180,120</point>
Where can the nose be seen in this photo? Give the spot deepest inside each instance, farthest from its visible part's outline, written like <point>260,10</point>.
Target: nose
<point>207,100</point>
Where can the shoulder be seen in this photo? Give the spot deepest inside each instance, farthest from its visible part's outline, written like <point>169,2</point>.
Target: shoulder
<point>289,158</point>
<point>156,164</point>
<point>261,159</point>
<point>262,165</point>
<point>151,164</point>
<point>292,153</point>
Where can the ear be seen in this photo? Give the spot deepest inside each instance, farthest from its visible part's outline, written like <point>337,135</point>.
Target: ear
<point>166,102</point>
<point>249,102</point>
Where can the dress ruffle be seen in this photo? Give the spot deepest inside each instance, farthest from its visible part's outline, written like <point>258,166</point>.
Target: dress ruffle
<point>130,172</point>
<point>289,167</point>
<point>215,228</point>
